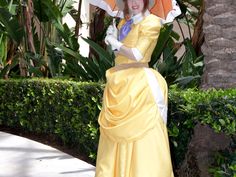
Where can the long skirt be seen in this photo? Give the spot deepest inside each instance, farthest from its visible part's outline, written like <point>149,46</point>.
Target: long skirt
<point>133,133</point>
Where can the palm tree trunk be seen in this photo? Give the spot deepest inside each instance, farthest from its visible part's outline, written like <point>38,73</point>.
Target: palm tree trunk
<point>219,47</point>
<point>29,42</point>
<point>28,12</point>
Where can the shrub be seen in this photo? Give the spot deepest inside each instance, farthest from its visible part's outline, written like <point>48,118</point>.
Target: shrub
<point>64,108</point>
<point>225,162</point>
<point>70,111</point>
<point>215,108</point>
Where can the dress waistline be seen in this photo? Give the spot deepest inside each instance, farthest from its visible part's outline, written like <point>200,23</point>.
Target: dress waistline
<point>129,65</point>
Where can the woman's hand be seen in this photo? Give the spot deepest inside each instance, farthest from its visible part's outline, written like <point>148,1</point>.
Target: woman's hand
<point>112,30</point>
<point>111,40</point>
<point>111,37</point>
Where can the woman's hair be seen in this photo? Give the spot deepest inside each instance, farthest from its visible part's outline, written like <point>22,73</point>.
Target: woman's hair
<point>126,8</point>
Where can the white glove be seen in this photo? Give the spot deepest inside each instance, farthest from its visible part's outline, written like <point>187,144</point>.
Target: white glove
<point>111,40</point>
<point>112,30</point>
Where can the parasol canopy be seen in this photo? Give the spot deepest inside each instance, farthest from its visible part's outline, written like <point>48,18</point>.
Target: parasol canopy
<point>167,10</point>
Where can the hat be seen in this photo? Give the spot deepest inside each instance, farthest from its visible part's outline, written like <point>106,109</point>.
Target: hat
<point>120,4</point>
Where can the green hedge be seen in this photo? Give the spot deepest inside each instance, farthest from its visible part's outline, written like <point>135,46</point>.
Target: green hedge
<point>70,111</point>
<point>64,108</point>
<point>216,108</point>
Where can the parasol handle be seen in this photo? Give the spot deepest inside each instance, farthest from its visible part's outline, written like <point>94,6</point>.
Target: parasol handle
<point>114,22</point>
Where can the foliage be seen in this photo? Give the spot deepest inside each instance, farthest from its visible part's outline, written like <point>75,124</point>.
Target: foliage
<point>70,110</point>
<point>56,50</point>
<point>10,33</point>
<point>87,69</point>
<point>225,162</point>
<point>216,108</point>
<point>184,70</point>
<point>36,54</point>
<point>64,108</point>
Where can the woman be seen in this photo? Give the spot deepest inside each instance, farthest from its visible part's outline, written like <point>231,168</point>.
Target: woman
<point>133,134</point>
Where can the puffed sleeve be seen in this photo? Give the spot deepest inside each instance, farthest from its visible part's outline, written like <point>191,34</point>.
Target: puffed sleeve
<point>149,32</point>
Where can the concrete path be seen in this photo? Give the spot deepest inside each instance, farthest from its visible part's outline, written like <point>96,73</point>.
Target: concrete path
<point>21,157</point>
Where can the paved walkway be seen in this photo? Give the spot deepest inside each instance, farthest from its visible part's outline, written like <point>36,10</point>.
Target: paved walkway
<point>21,157</point>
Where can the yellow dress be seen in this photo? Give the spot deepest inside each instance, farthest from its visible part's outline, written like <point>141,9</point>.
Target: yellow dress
<point>133,134</point>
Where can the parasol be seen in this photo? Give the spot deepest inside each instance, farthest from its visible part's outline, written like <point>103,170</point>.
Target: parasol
<point>167,10</point>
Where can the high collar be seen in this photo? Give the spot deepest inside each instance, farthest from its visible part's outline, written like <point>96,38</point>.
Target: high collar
<point>139,17</point>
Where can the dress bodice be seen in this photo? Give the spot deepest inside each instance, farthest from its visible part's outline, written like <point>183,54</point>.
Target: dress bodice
<point>142,36</point>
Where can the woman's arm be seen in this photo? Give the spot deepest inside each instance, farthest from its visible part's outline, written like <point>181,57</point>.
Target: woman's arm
<point>119,48</point>
<point>128,52</point>
<point>131,53</point>
<point>149,32</point>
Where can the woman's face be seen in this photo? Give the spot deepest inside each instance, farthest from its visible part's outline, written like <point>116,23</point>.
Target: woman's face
<point>135,6</point>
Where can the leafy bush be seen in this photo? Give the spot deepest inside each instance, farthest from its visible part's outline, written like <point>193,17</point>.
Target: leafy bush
<point>225,162</point>
<point>216,108</point>
<point>67,109</point>
<point>70,110</point>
